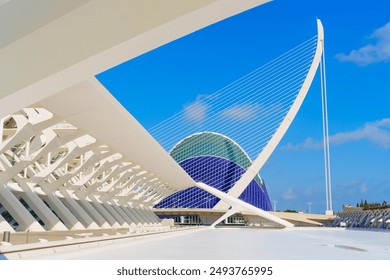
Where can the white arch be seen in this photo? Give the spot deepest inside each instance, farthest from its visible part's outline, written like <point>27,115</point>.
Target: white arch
<point>259,162</point>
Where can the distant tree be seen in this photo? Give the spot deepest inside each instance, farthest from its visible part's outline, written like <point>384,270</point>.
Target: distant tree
<point>361,203</point>
<point>290,211</point>
<point>357,204</point>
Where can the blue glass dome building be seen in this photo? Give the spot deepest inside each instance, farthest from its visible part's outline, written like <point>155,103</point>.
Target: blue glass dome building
<point>218,161</point>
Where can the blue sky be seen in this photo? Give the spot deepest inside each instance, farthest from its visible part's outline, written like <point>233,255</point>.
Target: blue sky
<point>162,82</point>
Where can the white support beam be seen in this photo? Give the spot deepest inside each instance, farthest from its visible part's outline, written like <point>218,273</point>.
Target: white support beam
<point>70,221</point>
<point>140,219</point>
<point>129,212</point>
<point>44,213</point>
<point>5,226</point>
<point>86,220</point>
<point>96,216</point>
<point>51,93</point>
<point>122,213</point>
<point>122,222</point>
<point>240,205</point>
<point>25,220</point>
<point>144,216</point>
<point>104,213</point>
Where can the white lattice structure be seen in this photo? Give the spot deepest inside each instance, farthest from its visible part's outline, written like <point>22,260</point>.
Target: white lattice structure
<point>374,219</point>
<point>67,177</point>
<point>71,157</point>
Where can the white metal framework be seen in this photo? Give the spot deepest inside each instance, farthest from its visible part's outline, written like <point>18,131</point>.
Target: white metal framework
<point>374,219</point>
<point>258,163</point>
<point>56,177</point>
<point>71,157</point>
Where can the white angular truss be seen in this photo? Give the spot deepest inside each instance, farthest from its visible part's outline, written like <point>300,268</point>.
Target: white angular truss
<point>374,219</point>
<point>71,157</point>
<point>67,179</point>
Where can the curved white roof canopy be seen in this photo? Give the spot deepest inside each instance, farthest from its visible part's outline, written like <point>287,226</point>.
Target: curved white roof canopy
<point>91,108</point>
<point>50,62</point>
<point>48,58</point>
<point>44,50</point>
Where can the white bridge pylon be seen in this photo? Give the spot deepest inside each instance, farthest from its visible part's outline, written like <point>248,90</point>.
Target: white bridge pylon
<point>237,205</point>
<point>254,111</point>
<point>261,159</point>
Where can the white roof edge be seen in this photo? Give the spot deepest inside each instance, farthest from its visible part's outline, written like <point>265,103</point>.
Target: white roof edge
<point>32,71</point>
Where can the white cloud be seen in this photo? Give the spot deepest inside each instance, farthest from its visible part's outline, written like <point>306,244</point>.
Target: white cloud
<point>377,132</point>
<point>308,144</point>
<point>195,112</point>
<point>363,188</point>
<point>372,53</point>
<point>241,112</point>
<point>289,194</point>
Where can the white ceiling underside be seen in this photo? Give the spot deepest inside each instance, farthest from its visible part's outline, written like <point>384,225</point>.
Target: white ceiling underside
<point>51,51</point>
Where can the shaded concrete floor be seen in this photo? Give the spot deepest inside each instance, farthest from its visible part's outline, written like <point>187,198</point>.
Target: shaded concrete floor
<point>242,243</point>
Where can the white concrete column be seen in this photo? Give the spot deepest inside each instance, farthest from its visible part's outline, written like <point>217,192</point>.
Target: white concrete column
<point>142,220</point>
<point>377,216</point>
<point>368,219</point>
<point>123,214</point>
<point>131,219</point>
<point>94,213</point>
<point>115,214</point>
<point>134,218</point>
<point>104,213</point>
<point>25,220</point>
<point>78,211</point>
<point>147,215</point>
<point>48,159</point>
<point>144,216</point>
<point>4,225</point>
<point>66,216</point>
<point>384,218</point>
<point>153,216</point>
<point>44,213</point>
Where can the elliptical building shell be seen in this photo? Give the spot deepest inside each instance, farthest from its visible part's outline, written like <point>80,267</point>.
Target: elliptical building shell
<point>218,161</point>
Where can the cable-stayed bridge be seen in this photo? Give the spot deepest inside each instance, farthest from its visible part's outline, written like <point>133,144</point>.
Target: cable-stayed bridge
<point>252,114</point>
<point>73,159</point>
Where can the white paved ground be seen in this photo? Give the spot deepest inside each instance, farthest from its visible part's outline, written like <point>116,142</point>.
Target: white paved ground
<point>243,243</point>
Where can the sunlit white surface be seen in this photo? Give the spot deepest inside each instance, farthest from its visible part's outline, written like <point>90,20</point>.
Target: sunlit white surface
<point>242,243</point>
